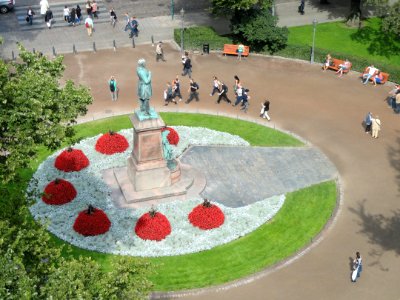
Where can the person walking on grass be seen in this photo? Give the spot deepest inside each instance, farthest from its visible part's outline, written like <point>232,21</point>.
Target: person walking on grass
<point>112,83</point>
<point>193,91</point>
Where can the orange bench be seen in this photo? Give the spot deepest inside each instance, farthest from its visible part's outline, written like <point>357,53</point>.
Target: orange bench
<point>232,49</point>
<point>384,75</point>
<point>335,65</point>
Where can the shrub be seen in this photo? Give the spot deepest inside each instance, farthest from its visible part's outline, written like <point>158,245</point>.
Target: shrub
<point>195,37</point>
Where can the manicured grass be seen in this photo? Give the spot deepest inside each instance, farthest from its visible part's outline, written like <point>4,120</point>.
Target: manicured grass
<point>369,42</point>
<point>301,218</point>
<point>303,215</point>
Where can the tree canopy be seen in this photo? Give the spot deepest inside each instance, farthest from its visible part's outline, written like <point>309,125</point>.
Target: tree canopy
<point>224,7</point>
<point>35,109</point>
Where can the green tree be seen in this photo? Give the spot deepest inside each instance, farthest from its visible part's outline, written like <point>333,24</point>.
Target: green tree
<point>258,29</point>
<point>224,7</point>
<point>35,109</point>
<point>391,22</point>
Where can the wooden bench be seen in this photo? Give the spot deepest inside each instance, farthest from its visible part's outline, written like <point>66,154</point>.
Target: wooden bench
<point>384,75</point>
<point>335,65</point>
<point>232,49</point>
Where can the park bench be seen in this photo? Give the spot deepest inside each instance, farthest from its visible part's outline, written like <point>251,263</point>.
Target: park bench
<point>384,75</point>
<point>232,49</point>
<point>335,65</point>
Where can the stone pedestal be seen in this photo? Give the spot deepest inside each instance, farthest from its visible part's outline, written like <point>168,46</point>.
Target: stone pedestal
<point>147,176</point>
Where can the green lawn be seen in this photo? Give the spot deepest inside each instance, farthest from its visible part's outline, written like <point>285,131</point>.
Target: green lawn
<point>302,217</point>
<point>369,42</point>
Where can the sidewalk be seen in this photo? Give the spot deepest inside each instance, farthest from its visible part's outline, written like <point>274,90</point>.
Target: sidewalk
<point>65,38</point>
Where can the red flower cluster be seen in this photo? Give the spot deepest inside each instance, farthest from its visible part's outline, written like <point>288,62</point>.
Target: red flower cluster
<point>94,223</point>
<point>173,137</point>
<point>153,228</point>
<point>110,143</point>
<point>59,192</point>
<point>71,160</point>
<point>206,217</point>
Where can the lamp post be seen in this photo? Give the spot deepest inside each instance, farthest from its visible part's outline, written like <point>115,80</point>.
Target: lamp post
<point>182,15</point>
<point>313,40</point>
<point>172,9</point>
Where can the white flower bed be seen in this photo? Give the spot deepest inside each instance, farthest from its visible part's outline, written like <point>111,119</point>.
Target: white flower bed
<point>121,238</point>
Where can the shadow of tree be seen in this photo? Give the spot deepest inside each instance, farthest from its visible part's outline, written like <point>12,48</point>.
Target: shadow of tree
<point>394,158</point>
<point>380,229</point>
<point>379,43</point>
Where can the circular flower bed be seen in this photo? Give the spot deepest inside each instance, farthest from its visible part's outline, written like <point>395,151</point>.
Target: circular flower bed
<point>111,142</point>
<point>207,216</point>
<point>71,160</point>
<point>173,136</point>
<point>59,192</point>
<point>92,221</point>
<point>153,226</point>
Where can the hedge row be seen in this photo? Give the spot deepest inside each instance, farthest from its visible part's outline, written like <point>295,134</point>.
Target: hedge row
<point>195,37</point>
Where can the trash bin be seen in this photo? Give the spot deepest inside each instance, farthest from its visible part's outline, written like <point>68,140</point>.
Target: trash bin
<point>206,48</point>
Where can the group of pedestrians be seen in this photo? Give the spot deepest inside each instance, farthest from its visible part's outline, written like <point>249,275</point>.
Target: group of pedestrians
<point>372,125</point>
<point>132,25</point>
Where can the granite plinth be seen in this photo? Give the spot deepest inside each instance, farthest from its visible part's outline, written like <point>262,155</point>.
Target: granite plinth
<point>190,185</point>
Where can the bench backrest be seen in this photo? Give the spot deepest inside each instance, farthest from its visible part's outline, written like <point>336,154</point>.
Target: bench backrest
<point>232,49</point>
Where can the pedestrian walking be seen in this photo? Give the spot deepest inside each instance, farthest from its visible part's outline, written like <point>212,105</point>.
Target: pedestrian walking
<point>94,9</point>
<point>88,7</point>
<point>66,14</point>
<point>177,88</point>
<point>48,18</point>
<point>78,14</point>
<point>134,27</point>
<point>239,94</point>
<point>112,84</point>
<point>357,267</point>
<point>245,101</point>
<point>301,7</point>
<point>73,16</point>
<point>159,52</point>
<point>127,21</point>
<point>264,110</point>
<point>193,91</point>
<point>89,25</point>
<point>376,126</point>
<point>216,86</point>
<point>168,94</point>
<point>113,17</point>
<point>187,66</point>
<point>29,15</point>
<point>223,93</point>
<point>240,51</point>
<point>368,122</point>
<point>44,6</point>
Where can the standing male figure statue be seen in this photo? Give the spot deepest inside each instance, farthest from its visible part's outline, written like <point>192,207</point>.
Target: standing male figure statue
<point>144,86</point>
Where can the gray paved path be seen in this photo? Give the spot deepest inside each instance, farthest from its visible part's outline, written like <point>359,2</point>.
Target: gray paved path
<point>238,176</point>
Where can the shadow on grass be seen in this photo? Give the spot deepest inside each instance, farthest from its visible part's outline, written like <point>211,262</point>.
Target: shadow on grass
<point>379,43</point>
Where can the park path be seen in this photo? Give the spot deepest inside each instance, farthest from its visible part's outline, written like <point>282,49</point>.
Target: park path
<point>325,110</point>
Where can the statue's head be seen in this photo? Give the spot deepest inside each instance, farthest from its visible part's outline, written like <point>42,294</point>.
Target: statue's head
<point>142,62</point>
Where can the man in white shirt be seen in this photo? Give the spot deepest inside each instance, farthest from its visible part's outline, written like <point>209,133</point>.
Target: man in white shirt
<point>371,72</point>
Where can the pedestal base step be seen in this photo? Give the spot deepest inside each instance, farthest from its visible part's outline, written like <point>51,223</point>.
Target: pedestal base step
<point>191,184</point>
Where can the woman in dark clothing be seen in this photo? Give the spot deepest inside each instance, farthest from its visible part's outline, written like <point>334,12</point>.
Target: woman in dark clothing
<point>48,18</point>
<point>264,110</point>
<point>73,16</point>
<point>78,14</point>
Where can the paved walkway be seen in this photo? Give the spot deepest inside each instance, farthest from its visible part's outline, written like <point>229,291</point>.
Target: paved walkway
<point>153,22</point>
<point>303,102</point>
<point>239,176</point>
